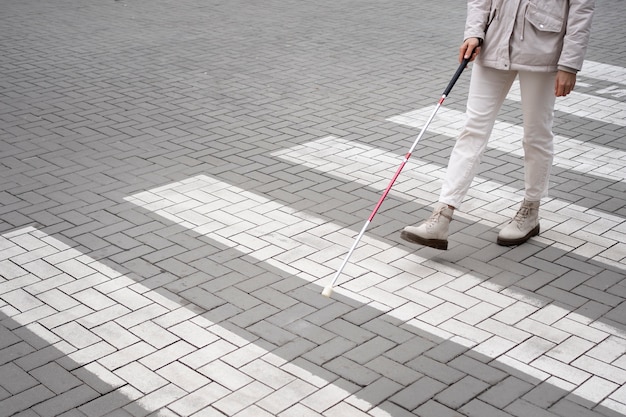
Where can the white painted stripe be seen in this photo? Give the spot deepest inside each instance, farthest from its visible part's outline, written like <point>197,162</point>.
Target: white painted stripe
<point>588,106</point>
<point>259,227</point>
<point>571,154</point>
<point>254,225</point>
<point>219,196</point>
<point>353,161</point>
<point>604,72</point>
<point>231,206</point>
<point>235,209</point>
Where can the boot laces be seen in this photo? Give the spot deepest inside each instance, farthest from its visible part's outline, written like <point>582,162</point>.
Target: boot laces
<point>434,218</point>
<point>522,215</point>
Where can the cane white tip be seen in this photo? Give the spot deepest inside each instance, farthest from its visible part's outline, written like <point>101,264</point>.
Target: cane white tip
<point>328,291</point>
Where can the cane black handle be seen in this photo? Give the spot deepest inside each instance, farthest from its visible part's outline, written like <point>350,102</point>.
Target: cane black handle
<point>456,76</point>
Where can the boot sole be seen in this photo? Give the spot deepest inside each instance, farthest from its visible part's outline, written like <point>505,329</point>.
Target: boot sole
<point>518,241</point>
<point>432,243</point>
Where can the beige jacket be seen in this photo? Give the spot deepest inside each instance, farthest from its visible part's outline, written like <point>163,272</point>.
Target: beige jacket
<point>531,35</point>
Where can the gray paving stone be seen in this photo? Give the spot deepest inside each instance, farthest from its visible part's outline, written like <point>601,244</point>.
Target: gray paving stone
<point>41,357</point>
<point>66,401</point>
<point>477,369</point>
<point>417,393</point>
<point>566,407</point>
<point>24,400</point>
<point>505,392</point>
<point>352,371</point>
<point>446,351</point>
<point>327,351</point>
<point>55,378</point>
<point>14,379</point>
<point>478,408</point>
<point>436,370</point>
<point>523,408</point>
<point>390,329</point>
<point>186,180</point>
<point>461,392</point>
<point>8,337</point>
<point>432,408</point>
<point>271,333</point>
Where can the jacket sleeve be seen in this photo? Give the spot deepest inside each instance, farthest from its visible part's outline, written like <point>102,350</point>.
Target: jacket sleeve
<point>477,18</point>
<point>577,34</point>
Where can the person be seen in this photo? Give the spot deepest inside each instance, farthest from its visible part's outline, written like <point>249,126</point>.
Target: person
<point>542,43</point>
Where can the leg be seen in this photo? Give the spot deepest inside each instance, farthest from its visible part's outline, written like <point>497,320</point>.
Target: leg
<point>537,91</point>
<point>488,89</point>
<point>538,107</point>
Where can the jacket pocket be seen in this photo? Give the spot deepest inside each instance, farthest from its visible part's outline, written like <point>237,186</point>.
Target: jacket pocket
<point>544,21</point>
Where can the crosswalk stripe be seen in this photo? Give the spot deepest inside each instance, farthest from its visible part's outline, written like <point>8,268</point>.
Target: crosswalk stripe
<point>258,226</point>
<point>588,106</point>
<point>328,153</point>
<point>234,231</point>
<point>604,72</point>
<point>570,154</point>
<point>250,223</point>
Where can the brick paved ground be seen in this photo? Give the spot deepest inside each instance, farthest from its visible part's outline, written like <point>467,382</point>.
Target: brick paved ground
<point>180,179</point>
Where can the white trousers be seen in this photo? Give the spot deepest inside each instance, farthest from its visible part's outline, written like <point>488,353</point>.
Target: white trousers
<point>488,89</point>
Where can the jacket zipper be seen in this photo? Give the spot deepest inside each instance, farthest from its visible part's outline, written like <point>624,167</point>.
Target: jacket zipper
<point>524,21</point>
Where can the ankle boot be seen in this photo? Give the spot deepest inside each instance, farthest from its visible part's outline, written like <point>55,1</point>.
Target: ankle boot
<point>522,227</point>
<point>434,231</point>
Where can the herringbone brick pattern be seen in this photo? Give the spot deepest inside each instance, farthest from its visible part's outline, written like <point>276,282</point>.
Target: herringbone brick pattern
<point>178,181</point>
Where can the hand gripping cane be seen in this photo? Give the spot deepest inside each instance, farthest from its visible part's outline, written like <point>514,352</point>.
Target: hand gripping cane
<point>328,290</point>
